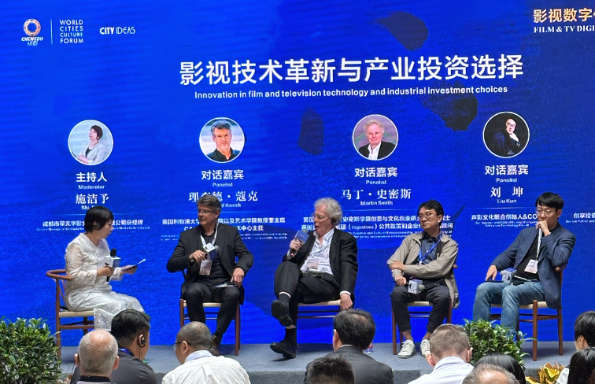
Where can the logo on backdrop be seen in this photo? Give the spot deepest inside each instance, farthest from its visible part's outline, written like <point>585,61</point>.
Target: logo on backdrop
<point>32,28</point>
<point>71,31</point>
<point>117,30</point>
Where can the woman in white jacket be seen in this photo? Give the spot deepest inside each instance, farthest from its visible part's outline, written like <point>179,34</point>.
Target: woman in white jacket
<point>88,262</point>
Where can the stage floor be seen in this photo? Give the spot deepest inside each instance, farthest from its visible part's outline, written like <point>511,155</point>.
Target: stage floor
<point>266,367</point>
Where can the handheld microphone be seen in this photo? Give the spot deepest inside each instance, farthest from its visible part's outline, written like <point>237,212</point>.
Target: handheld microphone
<point>208,251</point>
<point>301,236</point>
<point>112,253</point>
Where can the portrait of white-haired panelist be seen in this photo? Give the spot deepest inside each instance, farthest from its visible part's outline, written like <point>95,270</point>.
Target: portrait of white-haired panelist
<point>375,137</point>
<point>506,134</point>
<point>221,139</point>
<point>90,142</point>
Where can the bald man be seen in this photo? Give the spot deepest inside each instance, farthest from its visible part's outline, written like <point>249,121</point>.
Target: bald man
<point>97,357</point>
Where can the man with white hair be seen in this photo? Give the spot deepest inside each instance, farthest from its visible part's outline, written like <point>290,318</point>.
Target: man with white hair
<point>376,149</point>
<point>198,365</point>
<point>322,268</point>
<point>97,357</point>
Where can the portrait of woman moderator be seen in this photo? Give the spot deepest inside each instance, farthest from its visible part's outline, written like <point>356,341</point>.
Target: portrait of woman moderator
<point>95,152</point>
<point>88,262</point>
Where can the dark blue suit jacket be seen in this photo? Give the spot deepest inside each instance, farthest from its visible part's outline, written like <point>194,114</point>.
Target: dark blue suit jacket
<point>555,251</point>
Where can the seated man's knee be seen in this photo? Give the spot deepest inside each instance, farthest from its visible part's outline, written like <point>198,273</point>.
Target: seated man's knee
<point>232,294</point>
<point>193,292</point>
<point>509,294</point>
<point>398,295</point>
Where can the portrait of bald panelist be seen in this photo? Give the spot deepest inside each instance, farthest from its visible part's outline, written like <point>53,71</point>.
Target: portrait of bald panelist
<point>376,149</point>
<point>221,133</point>
<point>321,267</point>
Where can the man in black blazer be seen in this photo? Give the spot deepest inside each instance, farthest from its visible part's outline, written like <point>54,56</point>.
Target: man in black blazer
<point>321,269</point>
<point>353,333</point>
<point>376,149</point>
<point>214,261</point>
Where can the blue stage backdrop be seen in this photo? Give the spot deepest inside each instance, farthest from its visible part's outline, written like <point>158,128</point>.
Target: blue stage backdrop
<point>297,81</point>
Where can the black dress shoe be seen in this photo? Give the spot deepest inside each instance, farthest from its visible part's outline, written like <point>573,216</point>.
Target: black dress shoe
<point>280,311</point>
<point>286,348</point>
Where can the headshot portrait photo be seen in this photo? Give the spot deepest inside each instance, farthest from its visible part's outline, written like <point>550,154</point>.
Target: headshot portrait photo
<point>90,142</point>
<point>506,134</point>
<point>221,139</point>
<point>375,137</point>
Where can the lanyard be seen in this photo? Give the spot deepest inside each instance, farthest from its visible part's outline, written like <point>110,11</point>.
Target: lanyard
<point>204,242</point>
<point>423,256</point>
<point>126,350</point>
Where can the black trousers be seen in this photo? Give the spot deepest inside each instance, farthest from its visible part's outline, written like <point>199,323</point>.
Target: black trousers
<point>197,292</point>
<point>437,294</point>
<point>304,288</point>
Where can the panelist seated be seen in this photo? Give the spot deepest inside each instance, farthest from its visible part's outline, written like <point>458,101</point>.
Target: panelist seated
<point>322,268</point>
<point>536,254</point>
<point>422,268</point>
<point>214,261</point>
<point>89,263</point>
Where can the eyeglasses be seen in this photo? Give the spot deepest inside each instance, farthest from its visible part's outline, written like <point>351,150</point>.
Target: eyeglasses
<point>426,214</point>
<point>319,217</point>
<point>206,211</point>
<point>545,212</point>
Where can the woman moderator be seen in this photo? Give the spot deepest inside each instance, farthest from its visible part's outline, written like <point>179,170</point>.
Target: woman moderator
<point>95,152</point>
<point>88,262</point>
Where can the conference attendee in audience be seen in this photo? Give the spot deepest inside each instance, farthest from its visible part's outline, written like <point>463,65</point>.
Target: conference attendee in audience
<point>329,370</point>
<point>422,268</point>
<point>582,367</point>
<point>376,149</point>
<point>584,337</point>
<point>89,263</point>
<point>537,254</point>
<point>322,268</point>
<point>95,152</point>
<point>507,362</point>
<point>214,261</point>
<point>505,142</point>
<point>198,365</point>
<point>131,330</point>
<point>221,132</point>
<point>353,333</point>
<point>97,357</point>
<point>449,356</point>
<point>489,374</point>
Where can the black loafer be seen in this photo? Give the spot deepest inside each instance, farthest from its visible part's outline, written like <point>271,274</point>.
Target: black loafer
<point>284,347</point>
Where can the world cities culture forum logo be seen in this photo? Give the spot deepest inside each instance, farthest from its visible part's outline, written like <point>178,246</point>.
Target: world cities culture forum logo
<point>32,28</point>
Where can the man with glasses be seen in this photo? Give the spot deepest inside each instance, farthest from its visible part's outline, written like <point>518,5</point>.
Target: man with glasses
<point>198,365</point>
<point>422,268</point>
<point>322,268</point>
<point>537,254</point>
<point>214,261</point>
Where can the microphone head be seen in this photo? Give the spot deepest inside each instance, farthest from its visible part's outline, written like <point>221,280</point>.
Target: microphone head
<point>113,252</point>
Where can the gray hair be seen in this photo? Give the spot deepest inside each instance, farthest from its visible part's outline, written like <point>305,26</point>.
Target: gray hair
<point>370,122</point>
<point>332,209</point>
<point>210,201</point>
<point>97,352</point>
<point>479,373</point>
<point>449,340</point>
<point>196,334</point>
